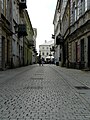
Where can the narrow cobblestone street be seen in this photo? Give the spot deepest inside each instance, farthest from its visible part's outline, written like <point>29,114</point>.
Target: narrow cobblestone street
<point>46,92</point>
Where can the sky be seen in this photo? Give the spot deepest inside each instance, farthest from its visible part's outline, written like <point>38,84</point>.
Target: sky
<point>41,13</point>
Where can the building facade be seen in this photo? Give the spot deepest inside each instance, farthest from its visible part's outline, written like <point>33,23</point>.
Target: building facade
<point>34,54</point>
<point>58,18</point>
<point>16,34</point>
<point>79,37</point>
<point>27,48</point>
<point>75,33</point>
<point>17,42</point>
<point>57,31</point>
<point>45,50</point>
<point>5,33</point>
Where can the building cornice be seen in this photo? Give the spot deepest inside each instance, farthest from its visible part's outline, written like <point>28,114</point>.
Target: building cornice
<point>57,9</point>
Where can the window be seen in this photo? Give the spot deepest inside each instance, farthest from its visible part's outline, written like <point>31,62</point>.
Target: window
<point>82,50</point>
<point>73,12</point>
<point>47,48</point>
<point>43,47</point>
<point>8,51</point>
<point>6,4</point>
<point>2,2</point>
<point>83,6</point>
<point>43,53</point>
<point>47,53</point>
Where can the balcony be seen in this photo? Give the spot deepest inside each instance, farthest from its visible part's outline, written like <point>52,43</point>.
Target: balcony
<point>31,43</point>
<point>22,4</point>
<point>59,39</point>
<point>22,30</point>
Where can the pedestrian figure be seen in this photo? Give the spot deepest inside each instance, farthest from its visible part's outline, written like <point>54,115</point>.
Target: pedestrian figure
<point>42,61</point>
<point>39,60</point>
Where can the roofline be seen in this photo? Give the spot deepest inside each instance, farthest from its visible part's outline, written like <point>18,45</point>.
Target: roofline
<point>58,1</point>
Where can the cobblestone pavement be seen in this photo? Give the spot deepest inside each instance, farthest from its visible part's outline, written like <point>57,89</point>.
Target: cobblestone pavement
<point>77,78</point>
<point>44,93</point>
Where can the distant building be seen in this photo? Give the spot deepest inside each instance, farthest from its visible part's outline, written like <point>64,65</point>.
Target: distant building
<point>45,50</point>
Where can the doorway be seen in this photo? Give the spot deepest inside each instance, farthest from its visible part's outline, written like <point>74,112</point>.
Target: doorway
<point>82,50</point>
<point>8,51</point>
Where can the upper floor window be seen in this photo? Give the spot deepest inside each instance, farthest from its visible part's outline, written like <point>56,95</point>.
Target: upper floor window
<point>83,6</point>
<point>2,2</point>
<point>43,47</point>
<point>6,4</point>
<point>73,12</point>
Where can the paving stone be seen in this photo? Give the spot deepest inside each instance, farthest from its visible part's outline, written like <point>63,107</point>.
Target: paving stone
<point>42,94</point>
